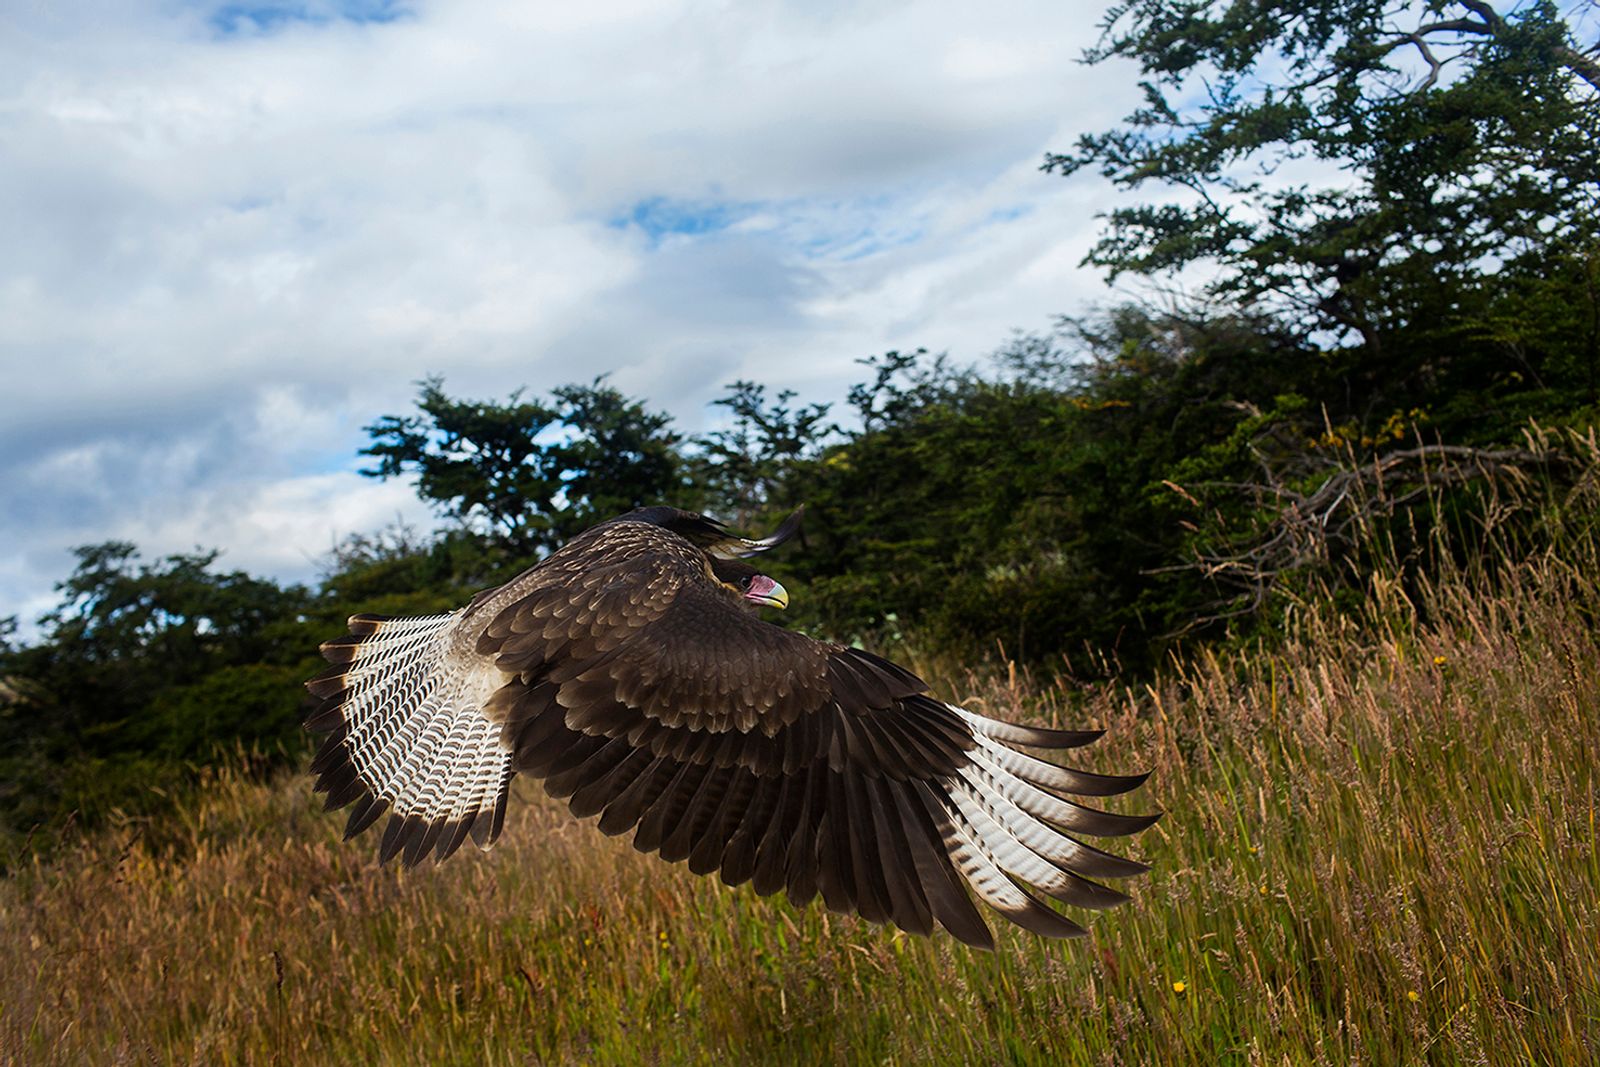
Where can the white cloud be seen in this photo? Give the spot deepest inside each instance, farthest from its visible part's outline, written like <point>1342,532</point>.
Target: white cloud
<point>282,527</point>
<point>227,252</point>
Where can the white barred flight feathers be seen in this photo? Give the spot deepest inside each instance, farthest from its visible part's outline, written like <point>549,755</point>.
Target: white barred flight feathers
<point>629,673</point>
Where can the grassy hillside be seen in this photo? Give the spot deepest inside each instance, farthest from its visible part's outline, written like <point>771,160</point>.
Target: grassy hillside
<point>1380,847</point>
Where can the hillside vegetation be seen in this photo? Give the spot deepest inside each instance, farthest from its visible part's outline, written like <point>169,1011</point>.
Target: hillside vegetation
<point>1380,847</point>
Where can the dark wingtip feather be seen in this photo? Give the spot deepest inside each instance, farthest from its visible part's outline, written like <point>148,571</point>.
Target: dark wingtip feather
<point>330,755</point>
<point>330,682</point>
<point>744,548</point>
<point>1044,737</point>
<point>404,841</point>
<point>1086,784</point>
<point>393,838</point>
<point>342,786</point>
<point>448,843</point>
<point>974,933</point>
<point>948,900</point>
<point>328,715</point>
<point>486,827</point>
<point>1082,893</point>
<point>1096,823</point>
<point>786,529</point>
<point>423,834</point>
<point>365,623</point>
<point>364,814</point>
<point>1094,863</point>
<point>340,649</point>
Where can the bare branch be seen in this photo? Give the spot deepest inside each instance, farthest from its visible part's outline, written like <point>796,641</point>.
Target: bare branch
<point>1490,23</point>
<point>1434,66</point>
<point>1454,26</point>
<point>1491,18</point>
<point>1310,529</point>
<point>1418,38</point>
<point>1581,64</point>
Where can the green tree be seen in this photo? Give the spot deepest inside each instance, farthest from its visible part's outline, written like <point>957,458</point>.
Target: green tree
<point>1027,506</point>
<point>620,456</point>
<point>126,630</point>
<point>476,461</point>
<point>1361,165</point>
<point>904,383</point>
<point>144,670</point>
<point>529,472</point>
<point>747,468</point>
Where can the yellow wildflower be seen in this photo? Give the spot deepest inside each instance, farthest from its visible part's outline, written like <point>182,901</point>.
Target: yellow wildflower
<point>1180,988</point>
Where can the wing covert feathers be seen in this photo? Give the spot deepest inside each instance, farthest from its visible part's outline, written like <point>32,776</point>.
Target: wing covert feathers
<point>636,688</point>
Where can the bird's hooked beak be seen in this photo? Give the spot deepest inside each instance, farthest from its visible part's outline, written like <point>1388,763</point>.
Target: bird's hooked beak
<point>766,592</point>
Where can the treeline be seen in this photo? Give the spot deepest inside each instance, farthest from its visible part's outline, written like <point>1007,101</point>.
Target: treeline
<point>1068,504</point>
<point>1379,363</point>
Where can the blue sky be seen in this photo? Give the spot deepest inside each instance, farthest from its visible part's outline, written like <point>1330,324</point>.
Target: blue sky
<point>233,20</point>
<point>238,233</point>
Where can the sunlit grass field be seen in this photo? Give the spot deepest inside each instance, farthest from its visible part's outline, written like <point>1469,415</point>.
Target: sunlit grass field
<point>1379,847</point>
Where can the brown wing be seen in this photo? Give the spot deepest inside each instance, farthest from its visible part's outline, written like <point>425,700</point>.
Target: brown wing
<point>645,694</point>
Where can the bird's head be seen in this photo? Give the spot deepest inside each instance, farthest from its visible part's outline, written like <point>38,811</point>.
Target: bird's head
<point>726,551</point>
<point>750,584</point>
<point>711,535</point>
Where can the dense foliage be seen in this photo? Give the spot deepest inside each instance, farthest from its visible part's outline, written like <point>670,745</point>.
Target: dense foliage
<point>144,669</point>
<point>1383,331</point>
<point>530,473</point>
<point>1369,167</point>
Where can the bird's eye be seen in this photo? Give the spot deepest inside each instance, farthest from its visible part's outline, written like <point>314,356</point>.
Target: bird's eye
<point>744,583</point>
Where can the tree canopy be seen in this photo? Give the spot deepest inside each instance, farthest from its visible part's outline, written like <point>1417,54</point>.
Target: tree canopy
<point>534,473</point>
<point>1361,165</point>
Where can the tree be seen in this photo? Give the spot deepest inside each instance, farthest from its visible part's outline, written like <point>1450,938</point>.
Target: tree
<point>747,467</point>
<point>1361,165</point>
<point>126,630</point>
<point>533,473</point>
<point>621,456</point>
<point>477,461</point>
<point>1027,506</point>
<point>143,671</point>
<point>904,383</point>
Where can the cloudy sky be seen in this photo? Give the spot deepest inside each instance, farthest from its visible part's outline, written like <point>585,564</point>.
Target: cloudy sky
<point>235,234</point>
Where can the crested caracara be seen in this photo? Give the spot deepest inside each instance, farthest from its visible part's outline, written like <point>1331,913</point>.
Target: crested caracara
<point>630,673</point>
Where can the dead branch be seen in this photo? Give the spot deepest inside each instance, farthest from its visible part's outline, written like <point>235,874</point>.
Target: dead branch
<point>1311,528</point>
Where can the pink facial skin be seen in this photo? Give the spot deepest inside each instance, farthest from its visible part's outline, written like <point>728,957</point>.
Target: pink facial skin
<point>766,592</point>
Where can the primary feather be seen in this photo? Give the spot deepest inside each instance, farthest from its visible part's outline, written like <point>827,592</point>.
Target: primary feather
<point>628,677</point>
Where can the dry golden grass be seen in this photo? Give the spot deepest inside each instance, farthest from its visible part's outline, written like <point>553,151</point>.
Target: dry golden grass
<point>1379,848</point>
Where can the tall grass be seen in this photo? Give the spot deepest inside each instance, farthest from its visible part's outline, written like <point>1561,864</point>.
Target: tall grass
<point>1380,847</point>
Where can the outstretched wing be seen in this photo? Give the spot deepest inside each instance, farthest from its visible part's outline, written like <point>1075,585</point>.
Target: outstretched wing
<point>639,690</point>
<point>646,696</point>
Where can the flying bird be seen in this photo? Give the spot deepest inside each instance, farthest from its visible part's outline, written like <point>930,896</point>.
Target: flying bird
<point>630,673</point>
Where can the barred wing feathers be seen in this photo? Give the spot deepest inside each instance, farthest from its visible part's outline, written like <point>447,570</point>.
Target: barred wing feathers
<point>407,735</point>
<point>621,674</point>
